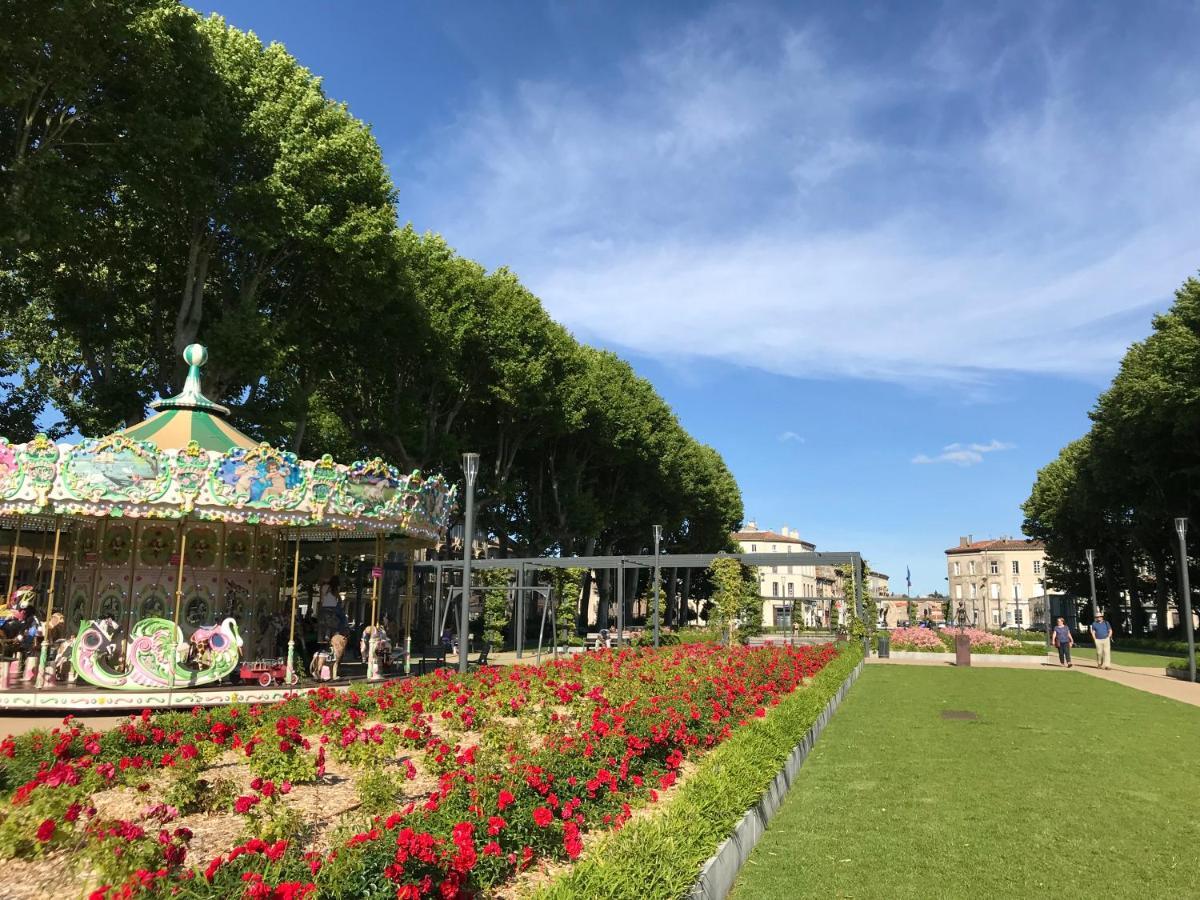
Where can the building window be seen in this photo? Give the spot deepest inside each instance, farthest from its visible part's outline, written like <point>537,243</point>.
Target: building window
<point>1037,567</point>
<point>957,569</point>
<point>791,589</point>
<point>754,548</point>
<point>774,570</point>
<point>971,566</point>
<point>995,617</point>
<point>772,548</point>
<point>774,588</point>
<point>1017,591</point>
<point>958,591</point>
<point>995,567</point>
<point>974,591</point>
<point>1016,567</point>
<point>782,616</point>
<point>995,590</point>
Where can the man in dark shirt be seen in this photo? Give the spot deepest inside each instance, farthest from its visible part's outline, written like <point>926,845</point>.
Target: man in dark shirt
<point>1102,635</point>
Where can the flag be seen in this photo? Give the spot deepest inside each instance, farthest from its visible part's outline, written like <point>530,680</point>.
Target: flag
<point>908,578</point>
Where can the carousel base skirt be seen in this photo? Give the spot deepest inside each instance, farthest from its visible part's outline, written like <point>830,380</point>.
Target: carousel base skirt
<point>80,698</point>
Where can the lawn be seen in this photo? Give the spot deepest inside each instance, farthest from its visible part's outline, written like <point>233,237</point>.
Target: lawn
<point>1133,658</point>
<point>1065,785</point>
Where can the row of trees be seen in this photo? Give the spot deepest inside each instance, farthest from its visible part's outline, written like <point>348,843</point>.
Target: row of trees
<point>1118,488</point>
<point>166,178</point>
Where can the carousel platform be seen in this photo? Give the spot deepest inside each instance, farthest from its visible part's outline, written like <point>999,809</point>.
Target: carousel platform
<point>66,698</point>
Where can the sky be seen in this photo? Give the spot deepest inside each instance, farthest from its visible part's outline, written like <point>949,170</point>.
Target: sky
<point>882,256</point>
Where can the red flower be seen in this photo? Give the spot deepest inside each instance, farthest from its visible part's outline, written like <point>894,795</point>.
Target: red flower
<point>46,830</point>
<point>244,804</point>
<point>543,816</point>
<point>495,824</point>
<point>506,799</point>
<point>572,843</point>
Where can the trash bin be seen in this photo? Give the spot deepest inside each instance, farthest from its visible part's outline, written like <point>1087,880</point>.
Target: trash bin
<point>884,645</point>
<point>962,650</point>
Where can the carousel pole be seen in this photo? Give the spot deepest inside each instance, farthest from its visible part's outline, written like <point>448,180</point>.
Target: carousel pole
<point>174,657</point>
<point>408,613</point>
<point>133,557</point>
<point>253,604</point>
<point>291,658</point>
<point>12,563</point>
<point>373,644</point>
<point>41,678</point>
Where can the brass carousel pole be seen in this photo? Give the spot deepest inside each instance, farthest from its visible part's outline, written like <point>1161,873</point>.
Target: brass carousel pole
<point>253,605</point>
<point>100,532</point>
<point>291,670</point>
<point>373,644</point>
<point>174,656</point>
<point>41,678</point>
<point>12,564</point>
<point>133,558</point>
<point>408,613</point>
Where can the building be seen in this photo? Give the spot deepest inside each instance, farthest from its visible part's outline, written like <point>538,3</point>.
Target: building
<point>877,584</point>
<point>789,593</point>
<point>999,583</point>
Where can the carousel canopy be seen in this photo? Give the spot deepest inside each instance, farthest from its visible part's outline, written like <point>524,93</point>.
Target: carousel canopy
<point>188,462</point>
<point>190,416</point>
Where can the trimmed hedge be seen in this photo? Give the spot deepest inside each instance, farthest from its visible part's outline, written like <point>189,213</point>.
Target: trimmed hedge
<point>661,856</point>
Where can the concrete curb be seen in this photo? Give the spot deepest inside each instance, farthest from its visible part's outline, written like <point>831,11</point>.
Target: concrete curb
<point>721,870</point>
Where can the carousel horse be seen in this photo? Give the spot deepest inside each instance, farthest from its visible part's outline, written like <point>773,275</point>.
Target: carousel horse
<point>152,656</point>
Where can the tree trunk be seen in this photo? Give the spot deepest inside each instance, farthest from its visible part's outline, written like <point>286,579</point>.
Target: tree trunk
<point>1137,617</point>
<point>585,596</point>
<point>1161,595</point>
<point>1112,587</point>
<point>687,594</point>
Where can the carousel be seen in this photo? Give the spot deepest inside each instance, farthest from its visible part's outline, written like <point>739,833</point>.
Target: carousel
<point>160,565</point>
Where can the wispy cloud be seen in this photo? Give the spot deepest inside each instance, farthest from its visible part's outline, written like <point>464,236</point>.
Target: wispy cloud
<point>750,189</point>
<point>791,437</point>
<point>962,454</point>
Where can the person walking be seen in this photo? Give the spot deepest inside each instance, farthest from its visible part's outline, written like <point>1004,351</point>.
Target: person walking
<point>1102,635</point>
<point>1064,642</point>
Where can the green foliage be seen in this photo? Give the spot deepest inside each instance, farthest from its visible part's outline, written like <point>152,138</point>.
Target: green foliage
<point>729,595</point>
<point>661,855</point>
<point>911,611</point>
<point>189,792</point>
<point>379,791</point>
<point>496,606</point>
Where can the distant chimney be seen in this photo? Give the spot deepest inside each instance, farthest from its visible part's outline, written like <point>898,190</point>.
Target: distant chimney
<point>964,541</point>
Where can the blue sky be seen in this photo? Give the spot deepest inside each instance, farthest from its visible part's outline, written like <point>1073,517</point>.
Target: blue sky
<point>882,256</point>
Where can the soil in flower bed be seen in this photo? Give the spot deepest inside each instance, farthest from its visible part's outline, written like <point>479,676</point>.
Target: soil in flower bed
<point>446,785</point>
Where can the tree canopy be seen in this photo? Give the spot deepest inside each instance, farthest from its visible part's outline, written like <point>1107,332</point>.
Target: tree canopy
<point>166,178</point>
<point>1117,489</point>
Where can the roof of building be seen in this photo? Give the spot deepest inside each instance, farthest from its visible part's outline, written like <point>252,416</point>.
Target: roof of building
<point>998,544</point>
<point>774,536</point>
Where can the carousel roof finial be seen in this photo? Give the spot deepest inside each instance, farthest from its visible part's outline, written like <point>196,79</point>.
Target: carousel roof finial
<point>195,355</point>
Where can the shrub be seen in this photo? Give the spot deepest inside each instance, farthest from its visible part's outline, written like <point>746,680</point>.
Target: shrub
<point>917,640</point>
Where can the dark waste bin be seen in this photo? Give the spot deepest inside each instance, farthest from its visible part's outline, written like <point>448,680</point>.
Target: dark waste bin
<point>962,650</point>
<point>884,645</point>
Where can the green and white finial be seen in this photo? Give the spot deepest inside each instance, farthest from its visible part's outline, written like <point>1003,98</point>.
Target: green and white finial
<point>191,397</point>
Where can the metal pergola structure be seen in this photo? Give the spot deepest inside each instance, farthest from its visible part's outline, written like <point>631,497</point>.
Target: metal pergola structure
<point>620,564</point>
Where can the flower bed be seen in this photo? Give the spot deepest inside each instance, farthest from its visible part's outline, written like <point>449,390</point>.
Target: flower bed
<point>928,640</point>
<point>439,786</point>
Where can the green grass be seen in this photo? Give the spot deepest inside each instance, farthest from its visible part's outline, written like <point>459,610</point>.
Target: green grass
<point>1065,786</point>
<point>1124,657</point>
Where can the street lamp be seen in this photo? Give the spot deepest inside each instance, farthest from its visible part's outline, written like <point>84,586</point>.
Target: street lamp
<point>470,464</point>
<point>657,616</point>
<point>1091,561</point>
<point>1186,589</point>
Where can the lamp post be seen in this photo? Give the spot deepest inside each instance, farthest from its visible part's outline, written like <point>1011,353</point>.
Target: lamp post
<point>1186,591</point>
<point>1091,561</point>
<point>657,616</point>
<point>1047,612</point>
<point>470,464</point>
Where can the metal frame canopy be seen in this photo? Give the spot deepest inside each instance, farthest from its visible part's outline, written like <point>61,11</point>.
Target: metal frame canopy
<point>188,466</point>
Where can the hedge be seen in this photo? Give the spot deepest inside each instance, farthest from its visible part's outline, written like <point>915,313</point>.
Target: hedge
<point>660,856</point>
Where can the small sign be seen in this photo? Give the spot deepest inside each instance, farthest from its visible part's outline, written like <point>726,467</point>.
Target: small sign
<point>377,572</point>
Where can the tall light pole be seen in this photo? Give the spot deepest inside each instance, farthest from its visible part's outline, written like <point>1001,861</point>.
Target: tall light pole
<point>1186,590</point>
<point>470,464</point>
<point>657,616</point>
<point>1091,560</point>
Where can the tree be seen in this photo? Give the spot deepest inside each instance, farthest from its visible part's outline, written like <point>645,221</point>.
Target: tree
<point>496,608</point>
<point>730,596</point>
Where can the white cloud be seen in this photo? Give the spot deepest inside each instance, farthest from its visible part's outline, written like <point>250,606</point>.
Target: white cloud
<point>791,437</point>
<point>735,196</point>
<point>962,454</point>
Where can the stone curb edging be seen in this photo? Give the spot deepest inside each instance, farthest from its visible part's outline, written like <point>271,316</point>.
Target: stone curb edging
<point>721,869</point>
